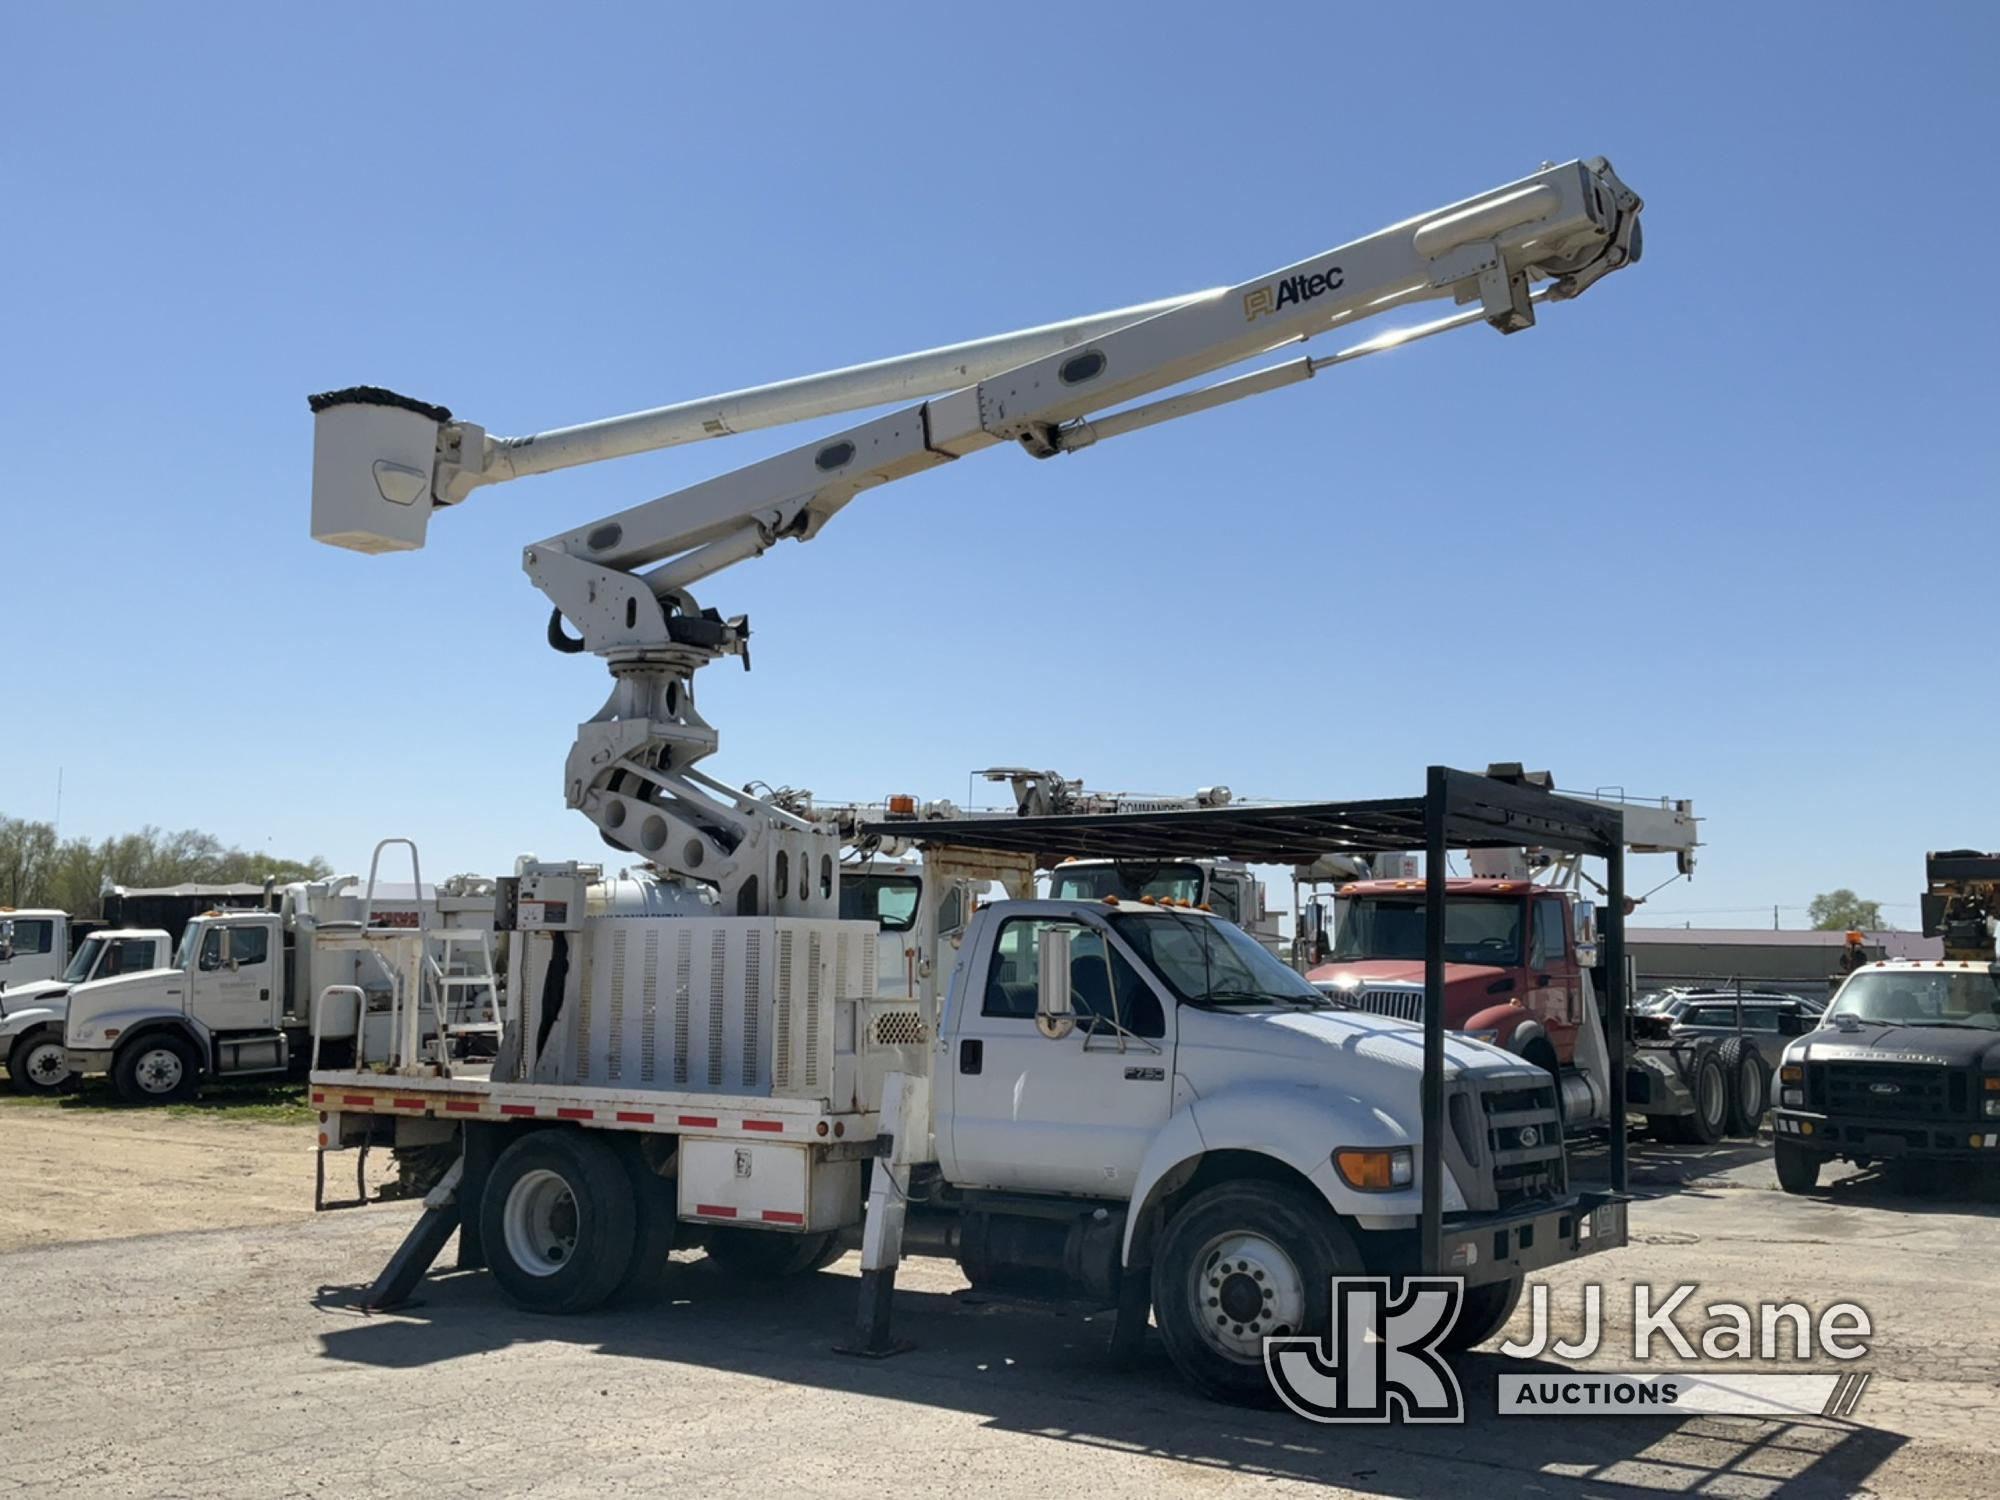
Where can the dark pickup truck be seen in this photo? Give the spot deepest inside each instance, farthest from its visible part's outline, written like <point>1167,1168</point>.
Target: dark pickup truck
<point>1906,1064</point>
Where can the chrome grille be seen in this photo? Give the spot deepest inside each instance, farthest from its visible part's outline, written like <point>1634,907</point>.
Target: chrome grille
<point>1404,1005</point>
<point>1524,1141</point>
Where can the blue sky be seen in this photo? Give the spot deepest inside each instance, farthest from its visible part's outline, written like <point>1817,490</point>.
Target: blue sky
<point>1721,529</point>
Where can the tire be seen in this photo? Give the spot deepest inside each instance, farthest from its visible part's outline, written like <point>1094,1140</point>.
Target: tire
<point>1798,1168</point>
<point>1285,1247</point>
<point>656,1224</point>
<point>1704,1126</point>
<point>1484,1313</point>
<point>36,1066</point>
<point>558,1222</point>
<point>1744,1068</point>
<point>159,1068</point>
<point>766,1255</point>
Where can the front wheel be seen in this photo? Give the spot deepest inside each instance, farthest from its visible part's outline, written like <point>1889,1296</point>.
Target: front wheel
<point>557,1222</point>
<point>159,1069</point>
<point>1240,1263</point>
<point>1482,1314</point>
<point>37,1066</point>
<point>1798,1168</point>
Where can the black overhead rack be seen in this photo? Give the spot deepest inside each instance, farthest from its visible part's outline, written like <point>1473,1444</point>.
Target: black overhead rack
<point>1458,810</point>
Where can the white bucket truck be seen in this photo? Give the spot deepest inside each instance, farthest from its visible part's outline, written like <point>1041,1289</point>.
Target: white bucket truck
<point>1138,1103</point>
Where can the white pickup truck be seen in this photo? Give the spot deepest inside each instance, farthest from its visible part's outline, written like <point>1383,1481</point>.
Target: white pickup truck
<point>32,1015</point>
<point>1116,1101</point>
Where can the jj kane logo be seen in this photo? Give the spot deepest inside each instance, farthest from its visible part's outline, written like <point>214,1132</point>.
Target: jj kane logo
<point>1275,296</point>
<point>1381,1354</point>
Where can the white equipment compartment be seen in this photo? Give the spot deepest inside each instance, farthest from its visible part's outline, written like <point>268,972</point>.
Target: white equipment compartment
<point>773,1187</point>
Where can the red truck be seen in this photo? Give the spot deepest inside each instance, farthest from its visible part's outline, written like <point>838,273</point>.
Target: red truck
<point>1519,955</point>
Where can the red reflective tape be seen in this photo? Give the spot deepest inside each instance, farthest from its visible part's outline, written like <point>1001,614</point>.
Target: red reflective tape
<point>517,1109</point>
<point>357,1098</point>
<point>318,1098</point>
<point>407,1103</point>
<point>763,1124</point>
<point>707,1121</point>
<point>634,1117</point>
<point>576,1114</point>
<point>462,1106</point>
<point>714,1211</point>
<point>782,1216</point>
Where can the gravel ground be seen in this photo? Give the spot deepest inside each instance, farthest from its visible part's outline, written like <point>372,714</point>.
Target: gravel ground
<point>232,1362</point>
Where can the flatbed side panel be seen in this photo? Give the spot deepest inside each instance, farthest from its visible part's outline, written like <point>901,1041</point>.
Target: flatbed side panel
<point>733,1116</point>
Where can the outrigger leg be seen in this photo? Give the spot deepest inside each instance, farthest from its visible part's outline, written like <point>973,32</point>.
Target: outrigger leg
<point>903,1100</point>
<point>420,1247</point>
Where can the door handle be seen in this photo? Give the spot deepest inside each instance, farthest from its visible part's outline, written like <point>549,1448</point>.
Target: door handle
<point>263,994</point>
<point>971,1055</point>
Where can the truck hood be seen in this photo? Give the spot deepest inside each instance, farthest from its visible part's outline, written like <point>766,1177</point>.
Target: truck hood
<point>1939,1046</point>
<point>35,992</point>
<point>1369,1056</point>
<point>1369,971</point>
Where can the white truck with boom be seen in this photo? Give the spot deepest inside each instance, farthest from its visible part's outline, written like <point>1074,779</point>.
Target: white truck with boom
<point>1135,1103</point>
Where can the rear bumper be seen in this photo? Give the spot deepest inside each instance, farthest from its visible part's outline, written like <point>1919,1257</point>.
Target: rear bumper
<point>1879,1139</point>
<point>1498,1247</point>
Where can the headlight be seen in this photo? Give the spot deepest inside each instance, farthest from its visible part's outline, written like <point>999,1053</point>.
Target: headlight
<point>1374,1169</point>
<point>1993,1106</point>
<point>1791,1073</point>
<point>1794,1097</point>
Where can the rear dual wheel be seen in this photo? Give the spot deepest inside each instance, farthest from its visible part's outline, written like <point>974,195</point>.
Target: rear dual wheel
<point>568,1223</point>
<point>1709,1085</point>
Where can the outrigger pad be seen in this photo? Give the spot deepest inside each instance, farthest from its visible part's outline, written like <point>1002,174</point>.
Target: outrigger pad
<point>420,1248</point>
<point>872,1338</point>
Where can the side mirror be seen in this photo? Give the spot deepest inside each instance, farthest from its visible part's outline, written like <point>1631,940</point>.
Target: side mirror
<point>1055,1015</point>
<point>1585,917</point>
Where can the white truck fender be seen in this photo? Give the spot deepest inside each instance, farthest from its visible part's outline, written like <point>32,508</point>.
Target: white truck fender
<point>28,1017</point>
<point>1276,1121</point>
<point>88,1035</point>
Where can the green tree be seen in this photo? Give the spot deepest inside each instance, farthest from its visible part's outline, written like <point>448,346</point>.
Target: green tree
<point>1843,911</point>
<point>37,869</point>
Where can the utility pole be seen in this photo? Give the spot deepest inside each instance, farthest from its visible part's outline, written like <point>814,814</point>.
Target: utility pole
<point>1774,916</point>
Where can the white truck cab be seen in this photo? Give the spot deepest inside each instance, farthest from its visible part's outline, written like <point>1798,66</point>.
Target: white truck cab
<point>32,1015</point>
<point>34,944</point>
<point>218,1006</point>
<point>1230,890</point>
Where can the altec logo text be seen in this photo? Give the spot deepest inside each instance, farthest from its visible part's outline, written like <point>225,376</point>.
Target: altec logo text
<point>1274,297</point>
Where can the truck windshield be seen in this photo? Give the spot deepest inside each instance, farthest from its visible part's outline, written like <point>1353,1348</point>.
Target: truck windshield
<point>1128,882</point>
<point>1909,997</point>
<point>1209,962</point>
<point>1477,930</point>
<point>184,954</point>
<point>86,959</point>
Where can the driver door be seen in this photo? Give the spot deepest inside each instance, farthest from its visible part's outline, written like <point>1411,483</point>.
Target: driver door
<point>1070,1114</point>
<point>235,977</point>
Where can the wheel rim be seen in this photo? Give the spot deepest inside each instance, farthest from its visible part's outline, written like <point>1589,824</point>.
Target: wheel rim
<point>44,1065</point>
<point>1710,1098</point>
<point>1752,1091</point>
<point>540,1223</point>
<point>159,1070</point>
<point>1244,1289</point>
